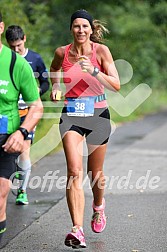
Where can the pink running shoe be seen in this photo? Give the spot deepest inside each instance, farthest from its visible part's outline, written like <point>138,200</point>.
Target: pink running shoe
<point>98,222</point>
<point>75,238</point>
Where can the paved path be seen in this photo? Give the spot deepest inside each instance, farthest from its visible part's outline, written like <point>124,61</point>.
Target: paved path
<point>135,169</point>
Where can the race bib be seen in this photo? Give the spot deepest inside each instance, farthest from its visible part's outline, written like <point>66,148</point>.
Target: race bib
<point>80,106</point>
<point>3,124</point>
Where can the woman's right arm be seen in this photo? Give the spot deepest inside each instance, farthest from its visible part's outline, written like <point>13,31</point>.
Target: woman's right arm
<point>55,71</point>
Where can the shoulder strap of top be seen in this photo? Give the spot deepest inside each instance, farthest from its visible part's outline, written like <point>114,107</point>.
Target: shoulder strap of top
<point>12,63</point>
<point>94,51</point>
<point>67,48</point>
<point>94,56</point>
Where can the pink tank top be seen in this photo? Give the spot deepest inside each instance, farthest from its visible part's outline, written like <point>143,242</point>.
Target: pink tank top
<point>79,83</point>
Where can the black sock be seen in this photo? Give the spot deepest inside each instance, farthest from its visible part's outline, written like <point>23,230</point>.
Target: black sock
<point>2,228</point>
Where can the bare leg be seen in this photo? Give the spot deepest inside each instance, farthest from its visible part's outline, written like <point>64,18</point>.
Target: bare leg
<point>4,191</point>
<point>95,171</point>
<point>74,191</point>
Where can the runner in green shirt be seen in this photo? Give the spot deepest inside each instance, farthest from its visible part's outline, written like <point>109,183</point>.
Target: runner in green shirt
<point>12,134</point>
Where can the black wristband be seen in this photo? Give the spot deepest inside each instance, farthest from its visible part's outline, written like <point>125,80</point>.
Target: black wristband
<point>24,132</point>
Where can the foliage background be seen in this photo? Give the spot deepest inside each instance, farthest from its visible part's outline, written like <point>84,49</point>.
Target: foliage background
<point>138,30</point>
<point>138,34</point>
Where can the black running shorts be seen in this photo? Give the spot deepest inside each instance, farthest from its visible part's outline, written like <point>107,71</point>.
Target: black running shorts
<point>96,128</point>
<point>7,160</point>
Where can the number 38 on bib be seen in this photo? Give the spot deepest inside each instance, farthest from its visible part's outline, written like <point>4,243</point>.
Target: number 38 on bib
<point>83,106</point>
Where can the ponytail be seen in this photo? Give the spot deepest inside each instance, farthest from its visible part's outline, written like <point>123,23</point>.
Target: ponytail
<point>98,31</point>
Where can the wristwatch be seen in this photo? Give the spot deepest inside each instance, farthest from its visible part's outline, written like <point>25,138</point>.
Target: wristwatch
<point>24,132</point>
<point>96,71</point>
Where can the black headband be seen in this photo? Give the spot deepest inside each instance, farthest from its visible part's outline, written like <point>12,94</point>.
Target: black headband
<point>81,14</point>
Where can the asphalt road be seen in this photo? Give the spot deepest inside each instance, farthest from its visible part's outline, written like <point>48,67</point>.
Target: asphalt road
<point>136,199</point>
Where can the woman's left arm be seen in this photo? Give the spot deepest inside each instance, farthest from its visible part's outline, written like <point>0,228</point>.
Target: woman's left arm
<point>109,78</point>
